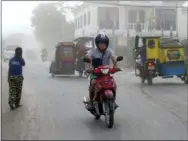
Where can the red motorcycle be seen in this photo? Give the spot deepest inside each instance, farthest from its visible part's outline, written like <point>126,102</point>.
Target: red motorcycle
<point>105,92</point>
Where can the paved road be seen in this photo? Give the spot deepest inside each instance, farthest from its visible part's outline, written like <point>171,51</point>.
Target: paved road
<point>53,109</point>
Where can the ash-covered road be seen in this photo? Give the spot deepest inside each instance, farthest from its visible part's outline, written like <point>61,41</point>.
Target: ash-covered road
<point>53,109</point>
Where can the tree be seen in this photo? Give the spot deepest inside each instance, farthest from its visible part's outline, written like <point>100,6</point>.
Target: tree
<point>50,25</point>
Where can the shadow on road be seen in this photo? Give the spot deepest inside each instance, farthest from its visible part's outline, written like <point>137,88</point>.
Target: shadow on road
<point>100,130</point>
<point>64,77</point>
<point>165,84</point>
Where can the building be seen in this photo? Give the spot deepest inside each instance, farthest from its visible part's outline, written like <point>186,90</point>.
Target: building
<point>182,22</point>
<point>124,19</point>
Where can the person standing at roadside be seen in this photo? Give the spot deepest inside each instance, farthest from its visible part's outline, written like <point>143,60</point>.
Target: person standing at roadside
<point>15,79</point>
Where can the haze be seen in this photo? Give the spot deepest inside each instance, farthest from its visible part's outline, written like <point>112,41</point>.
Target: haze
<point>16,15</point>
<point>152,104</point>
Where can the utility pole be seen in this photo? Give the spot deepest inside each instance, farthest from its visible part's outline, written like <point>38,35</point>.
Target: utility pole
<point>113,31</point>
<point>171,31</point>
<point>176,19</point>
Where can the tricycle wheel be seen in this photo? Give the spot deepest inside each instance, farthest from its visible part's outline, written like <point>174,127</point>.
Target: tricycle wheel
<point>142,78</point>
<point>150,81</point>
<point>80,73</point>
<point>150,78</point>
<point>186,79</point>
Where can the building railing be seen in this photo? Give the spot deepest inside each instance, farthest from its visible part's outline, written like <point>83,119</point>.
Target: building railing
<point>133,26</point>
<point>144,27</point>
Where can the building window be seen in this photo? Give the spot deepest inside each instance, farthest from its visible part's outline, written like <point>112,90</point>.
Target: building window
<point>108,17</point>
<point>84,19</point>
<point>88,18</point>
<point>165,19</point>
<point>142,16</point>
<point>132,16</point>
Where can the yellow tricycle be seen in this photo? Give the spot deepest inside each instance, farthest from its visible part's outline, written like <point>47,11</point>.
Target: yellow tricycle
<point>159,56</point>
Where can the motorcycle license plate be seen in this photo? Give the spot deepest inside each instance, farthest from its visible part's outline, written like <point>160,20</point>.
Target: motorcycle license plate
<point>151,67</point>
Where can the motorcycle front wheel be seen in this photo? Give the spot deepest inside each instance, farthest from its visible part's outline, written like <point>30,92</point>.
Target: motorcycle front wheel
<point>109,113</point>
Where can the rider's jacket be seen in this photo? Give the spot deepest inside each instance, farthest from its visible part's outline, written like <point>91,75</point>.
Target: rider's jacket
<point>95,53</point>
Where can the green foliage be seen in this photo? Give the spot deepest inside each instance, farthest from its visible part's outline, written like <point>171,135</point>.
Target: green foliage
<point>50,24</point>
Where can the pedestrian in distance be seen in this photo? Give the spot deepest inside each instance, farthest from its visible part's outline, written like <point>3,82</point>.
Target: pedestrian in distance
<point>15,78</point>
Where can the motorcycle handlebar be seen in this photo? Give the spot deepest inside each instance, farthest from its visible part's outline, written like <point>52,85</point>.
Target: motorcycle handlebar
<point>116,70</point>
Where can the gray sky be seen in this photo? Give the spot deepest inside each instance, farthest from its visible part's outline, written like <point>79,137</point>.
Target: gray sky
<point>16,14</point>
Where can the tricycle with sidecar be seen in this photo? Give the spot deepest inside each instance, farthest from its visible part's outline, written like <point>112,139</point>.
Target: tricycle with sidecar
<point>164,57</point>
<point>82,45</point>
<point>64,60</point>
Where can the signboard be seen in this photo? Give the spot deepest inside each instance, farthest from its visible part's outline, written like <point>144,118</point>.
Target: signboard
<point>173,54</point>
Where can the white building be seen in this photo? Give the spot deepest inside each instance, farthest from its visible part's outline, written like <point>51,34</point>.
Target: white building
<point>182,22</point>
<point>94,16</point>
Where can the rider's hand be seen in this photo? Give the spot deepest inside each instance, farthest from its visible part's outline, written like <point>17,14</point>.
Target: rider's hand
<point>118,69</point>
<point>89,70</point>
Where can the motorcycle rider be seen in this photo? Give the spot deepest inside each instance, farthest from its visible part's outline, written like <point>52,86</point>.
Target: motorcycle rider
<point>142,52</point>
<point>105,54</point>
<point>81,52</point>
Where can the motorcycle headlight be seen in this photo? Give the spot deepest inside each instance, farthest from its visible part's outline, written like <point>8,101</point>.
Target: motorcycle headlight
<point>105,71</point>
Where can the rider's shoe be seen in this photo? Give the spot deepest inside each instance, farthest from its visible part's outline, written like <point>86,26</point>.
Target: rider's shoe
<point>90,106</point>
<point>11,106</point>
<point>116,106</point>
<point>18,105</point>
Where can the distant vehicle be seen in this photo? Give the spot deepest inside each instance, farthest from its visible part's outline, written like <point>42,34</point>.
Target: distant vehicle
<point>8,52</point>
<point>44,55</point>
<point>64,59</point>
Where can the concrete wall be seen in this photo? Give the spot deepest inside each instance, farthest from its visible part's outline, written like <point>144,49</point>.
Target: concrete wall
<point>182,23</point>
<point>92,29</point>
<point>87,30</point>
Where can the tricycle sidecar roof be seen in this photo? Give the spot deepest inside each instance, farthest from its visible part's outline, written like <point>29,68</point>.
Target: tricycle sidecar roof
<point>62,44</point>
<point>87,38</point>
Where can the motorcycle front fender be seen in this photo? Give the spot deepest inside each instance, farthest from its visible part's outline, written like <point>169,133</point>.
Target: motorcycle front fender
<point>109,94</point>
